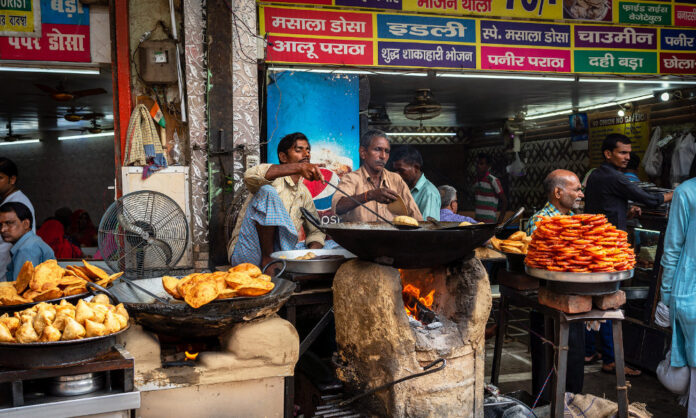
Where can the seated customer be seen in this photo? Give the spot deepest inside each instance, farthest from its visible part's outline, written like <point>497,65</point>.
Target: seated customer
<point>373,185</point>
<point>82,231</point>
<point>10,192</point>
<point>52,233</point>
<point>449,206</point>
<point>15,228</point>
<point>270,219</point>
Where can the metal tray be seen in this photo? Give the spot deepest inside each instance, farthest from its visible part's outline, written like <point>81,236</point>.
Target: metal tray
<point>567,276</point>
<point>41,355</point>
<point>321,266</point>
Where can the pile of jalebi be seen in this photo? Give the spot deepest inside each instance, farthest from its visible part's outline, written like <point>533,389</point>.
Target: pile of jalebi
<point>579,243</point>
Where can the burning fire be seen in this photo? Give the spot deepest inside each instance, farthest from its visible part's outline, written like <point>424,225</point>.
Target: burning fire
<point>190,356</point>
<point>411,294</point>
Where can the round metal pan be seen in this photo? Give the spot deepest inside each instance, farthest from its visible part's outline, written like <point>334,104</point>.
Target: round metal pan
<point>177,318</point>
<point>57,353</point>
<point>313,266</point>
<point>567,276</point>
<point>588,289</point>
<point>427,246</point>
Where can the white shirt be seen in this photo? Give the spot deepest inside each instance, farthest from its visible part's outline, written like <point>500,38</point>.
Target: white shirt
<point>5,247</point>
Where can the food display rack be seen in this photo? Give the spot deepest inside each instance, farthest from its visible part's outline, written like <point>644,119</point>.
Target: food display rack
<point>581,283</point>
<point>22,391</point>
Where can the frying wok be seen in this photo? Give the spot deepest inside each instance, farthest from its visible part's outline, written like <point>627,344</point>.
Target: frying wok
<point>428,246</point>
<point>41,355</point>
<point>177,318</point>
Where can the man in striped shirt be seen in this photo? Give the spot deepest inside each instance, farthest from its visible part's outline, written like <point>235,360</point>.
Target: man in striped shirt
<point>489,193</point>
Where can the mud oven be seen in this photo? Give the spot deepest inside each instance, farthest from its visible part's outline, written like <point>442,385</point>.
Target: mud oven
<point>392,323</point>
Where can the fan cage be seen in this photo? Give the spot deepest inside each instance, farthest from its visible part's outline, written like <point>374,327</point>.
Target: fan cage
<point>144,234</point>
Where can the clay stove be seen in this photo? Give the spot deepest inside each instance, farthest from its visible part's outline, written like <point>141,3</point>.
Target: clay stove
<point>241,374</point>
<point>380,341</point>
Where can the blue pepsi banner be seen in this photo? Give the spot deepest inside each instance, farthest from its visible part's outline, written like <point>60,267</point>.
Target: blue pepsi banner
<point>423,28</point>
<point>324,107</point>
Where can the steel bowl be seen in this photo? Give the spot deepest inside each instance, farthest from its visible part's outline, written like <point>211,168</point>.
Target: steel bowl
<point>313,266</point>
<point>75,385</point>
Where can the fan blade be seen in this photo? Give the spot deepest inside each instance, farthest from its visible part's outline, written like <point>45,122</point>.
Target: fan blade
<point>88,92</point>
<point>166,249</point>
<point>128,226</point>
<point>47,89</point>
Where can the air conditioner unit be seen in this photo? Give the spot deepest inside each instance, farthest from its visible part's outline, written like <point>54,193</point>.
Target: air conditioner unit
<point>171,181</point>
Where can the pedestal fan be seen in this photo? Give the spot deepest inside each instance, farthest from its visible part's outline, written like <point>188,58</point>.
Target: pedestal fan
<point>144,234</point>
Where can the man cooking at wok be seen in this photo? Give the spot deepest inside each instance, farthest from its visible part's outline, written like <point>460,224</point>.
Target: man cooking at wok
<point>270,218</point>
<point>372,185</point>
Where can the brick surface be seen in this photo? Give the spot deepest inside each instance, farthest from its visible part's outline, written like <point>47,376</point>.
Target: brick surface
<point>612,301</point>
<point>517,281</point>
<point>570,304</point>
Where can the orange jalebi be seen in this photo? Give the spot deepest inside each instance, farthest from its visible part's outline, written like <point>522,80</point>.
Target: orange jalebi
<point>579,243</point>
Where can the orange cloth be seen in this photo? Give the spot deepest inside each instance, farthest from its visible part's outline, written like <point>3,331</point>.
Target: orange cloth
<point>53,234</point>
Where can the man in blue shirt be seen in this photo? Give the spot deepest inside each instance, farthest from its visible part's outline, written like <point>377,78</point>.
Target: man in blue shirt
<point>408,162</point>
<point>449,206</point>
<point>16,229</point>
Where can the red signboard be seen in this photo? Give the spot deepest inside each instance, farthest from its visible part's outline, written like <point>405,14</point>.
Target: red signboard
<point>684,15</point>
<point>320,23</point>
<point>319,51</point>
<point>677,63</point>
<point>66,43</point>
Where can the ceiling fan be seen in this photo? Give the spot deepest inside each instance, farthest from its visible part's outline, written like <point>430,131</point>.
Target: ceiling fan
<point>423,106</point>
<point>10,137</point>
<point>378,116</point>
<point>95,127</point>
<point>60,94</point>
<point>74,115</point>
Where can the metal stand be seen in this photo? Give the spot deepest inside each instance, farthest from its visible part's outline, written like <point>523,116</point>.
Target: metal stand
<point>557,326</point>
<point>310,297</point>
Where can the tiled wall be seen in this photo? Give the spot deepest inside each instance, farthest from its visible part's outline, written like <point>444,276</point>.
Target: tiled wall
<point>540,157</point>
<point>73,173</point>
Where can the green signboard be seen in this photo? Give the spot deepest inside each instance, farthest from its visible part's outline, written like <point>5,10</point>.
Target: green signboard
<point>645,13</point>
<point>613,61</point>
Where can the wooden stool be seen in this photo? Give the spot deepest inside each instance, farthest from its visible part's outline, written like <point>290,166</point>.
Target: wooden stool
<point>556,330</point>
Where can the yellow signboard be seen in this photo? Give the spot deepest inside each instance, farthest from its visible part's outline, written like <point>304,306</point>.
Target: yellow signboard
<point>20,18</point>
<point>531,9</point>
<point>636,127</point>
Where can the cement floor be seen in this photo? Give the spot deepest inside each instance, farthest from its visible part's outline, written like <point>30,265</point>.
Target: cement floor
<point>516,375</point>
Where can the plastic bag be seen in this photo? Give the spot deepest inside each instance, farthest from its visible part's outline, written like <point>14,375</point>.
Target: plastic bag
<point>175,151</point>
<point>516,168</point>
<point>682,156</point>
<point>652,161</point>
<point>674,379</point>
